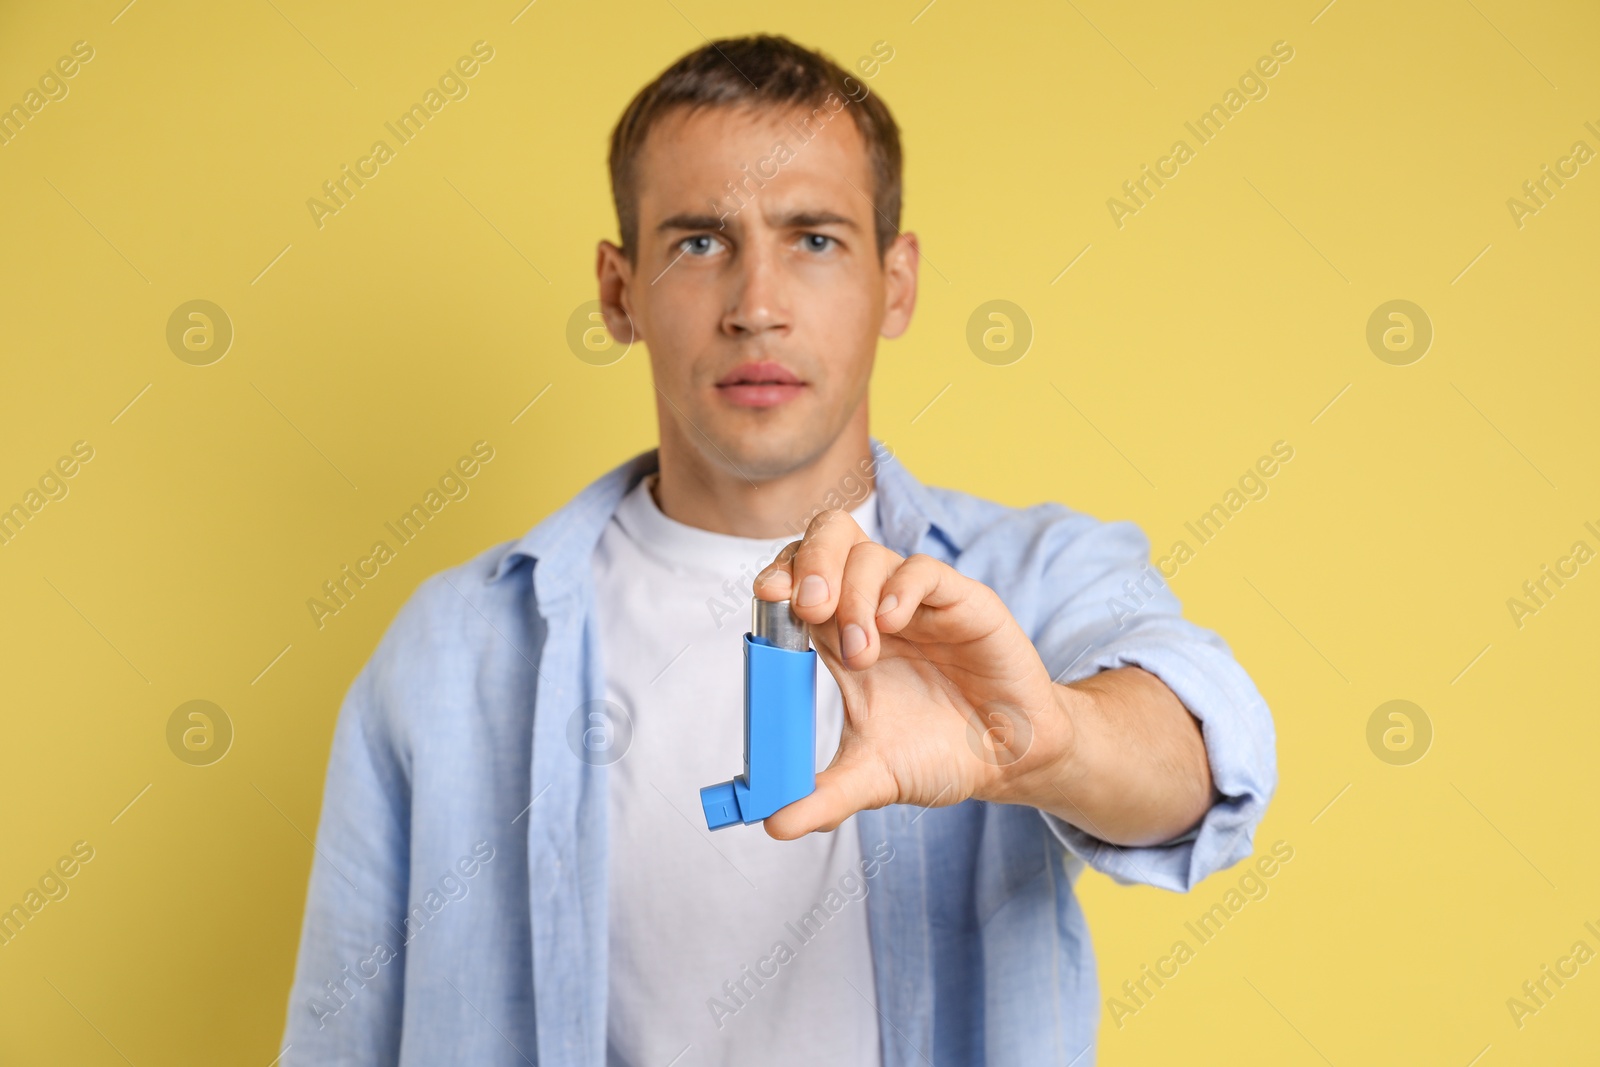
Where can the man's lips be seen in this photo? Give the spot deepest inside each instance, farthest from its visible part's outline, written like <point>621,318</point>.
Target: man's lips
<point>760,385</point>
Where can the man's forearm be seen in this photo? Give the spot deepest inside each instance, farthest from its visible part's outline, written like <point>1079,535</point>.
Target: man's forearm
<point>1119,757</point>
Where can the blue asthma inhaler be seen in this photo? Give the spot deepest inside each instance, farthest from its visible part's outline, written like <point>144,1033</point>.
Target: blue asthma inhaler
<point>780,721</point>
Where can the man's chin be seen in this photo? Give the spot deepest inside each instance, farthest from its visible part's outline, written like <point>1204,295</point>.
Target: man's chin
<point>764,447</point>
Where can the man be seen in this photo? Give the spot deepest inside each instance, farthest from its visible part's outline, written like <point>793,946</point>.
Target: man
<point>512,864</point>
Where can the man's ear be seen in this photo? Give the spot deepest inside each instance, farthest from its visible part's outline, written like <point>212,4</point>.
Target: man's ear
<point>900,284</point>
<point>615,275</point>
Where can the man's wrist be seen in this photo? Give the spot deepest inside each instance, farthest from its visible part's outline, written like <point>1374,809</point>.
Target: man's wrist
<point>1116,755</point>
<point>1050,753</point>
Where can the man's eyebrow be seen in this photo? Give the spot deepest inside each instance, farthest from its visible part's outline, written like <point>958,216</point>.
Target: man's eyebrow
<point>794,220</point>
<point>691,222</point>
<point>816,218</point>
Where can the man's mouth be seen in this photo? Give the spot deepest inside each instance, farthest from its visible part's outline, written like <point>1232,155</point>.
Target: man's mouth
<point>761,384</point>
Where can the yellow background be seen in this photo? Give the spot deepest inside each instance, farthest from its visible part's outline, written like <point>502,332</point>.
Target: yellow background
<point>1224,316</point>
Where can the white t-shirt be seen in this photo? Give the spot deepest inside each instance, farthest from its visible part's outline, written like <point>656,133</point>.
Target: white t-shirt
<point>696,977</point>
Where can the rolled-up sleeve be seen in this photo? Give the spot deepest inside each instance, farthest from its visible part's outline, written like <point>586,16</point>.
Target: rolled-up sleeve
<point>1101,605</point>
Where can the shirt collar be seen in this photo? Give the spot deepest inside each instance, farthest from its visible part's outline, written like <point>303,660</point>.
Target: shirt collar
<point>709,555</point>
<point>565,540</point>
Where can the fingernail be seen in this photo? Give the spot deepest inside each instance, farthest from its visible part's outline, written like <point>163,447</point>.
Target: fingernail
<point>852,640</point>
<point>890,602</point>
<point>813,590</point>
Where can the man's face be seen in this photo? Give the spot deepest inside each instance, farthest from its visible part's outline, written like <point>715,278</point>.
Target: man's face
<point>762,306</point>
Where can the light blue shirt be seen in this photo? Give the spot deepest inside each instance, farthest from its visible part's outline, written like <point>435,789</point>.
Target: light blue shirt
<point>457,904</point>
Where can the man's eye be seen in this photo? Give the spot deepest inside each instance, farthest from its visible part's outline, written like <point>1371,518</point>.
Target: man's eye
<point>701,244</point>
<point>817,242</point>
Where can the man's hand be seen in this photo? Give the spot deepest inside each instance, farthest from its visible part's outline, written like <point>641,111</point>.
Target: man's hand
<point>945,698</point>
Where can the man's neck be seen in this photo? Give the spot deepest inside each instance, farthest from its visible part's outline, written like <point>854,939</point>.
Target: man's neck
<point>698,493</point>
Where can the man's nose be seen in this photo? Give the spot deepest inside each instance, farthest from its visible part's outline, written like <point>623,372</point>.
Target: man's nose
<point>759,300</point>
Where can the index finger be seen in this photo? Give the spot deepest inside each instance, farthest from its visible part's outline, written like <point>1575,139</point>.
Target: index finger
<point>810,572</point>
